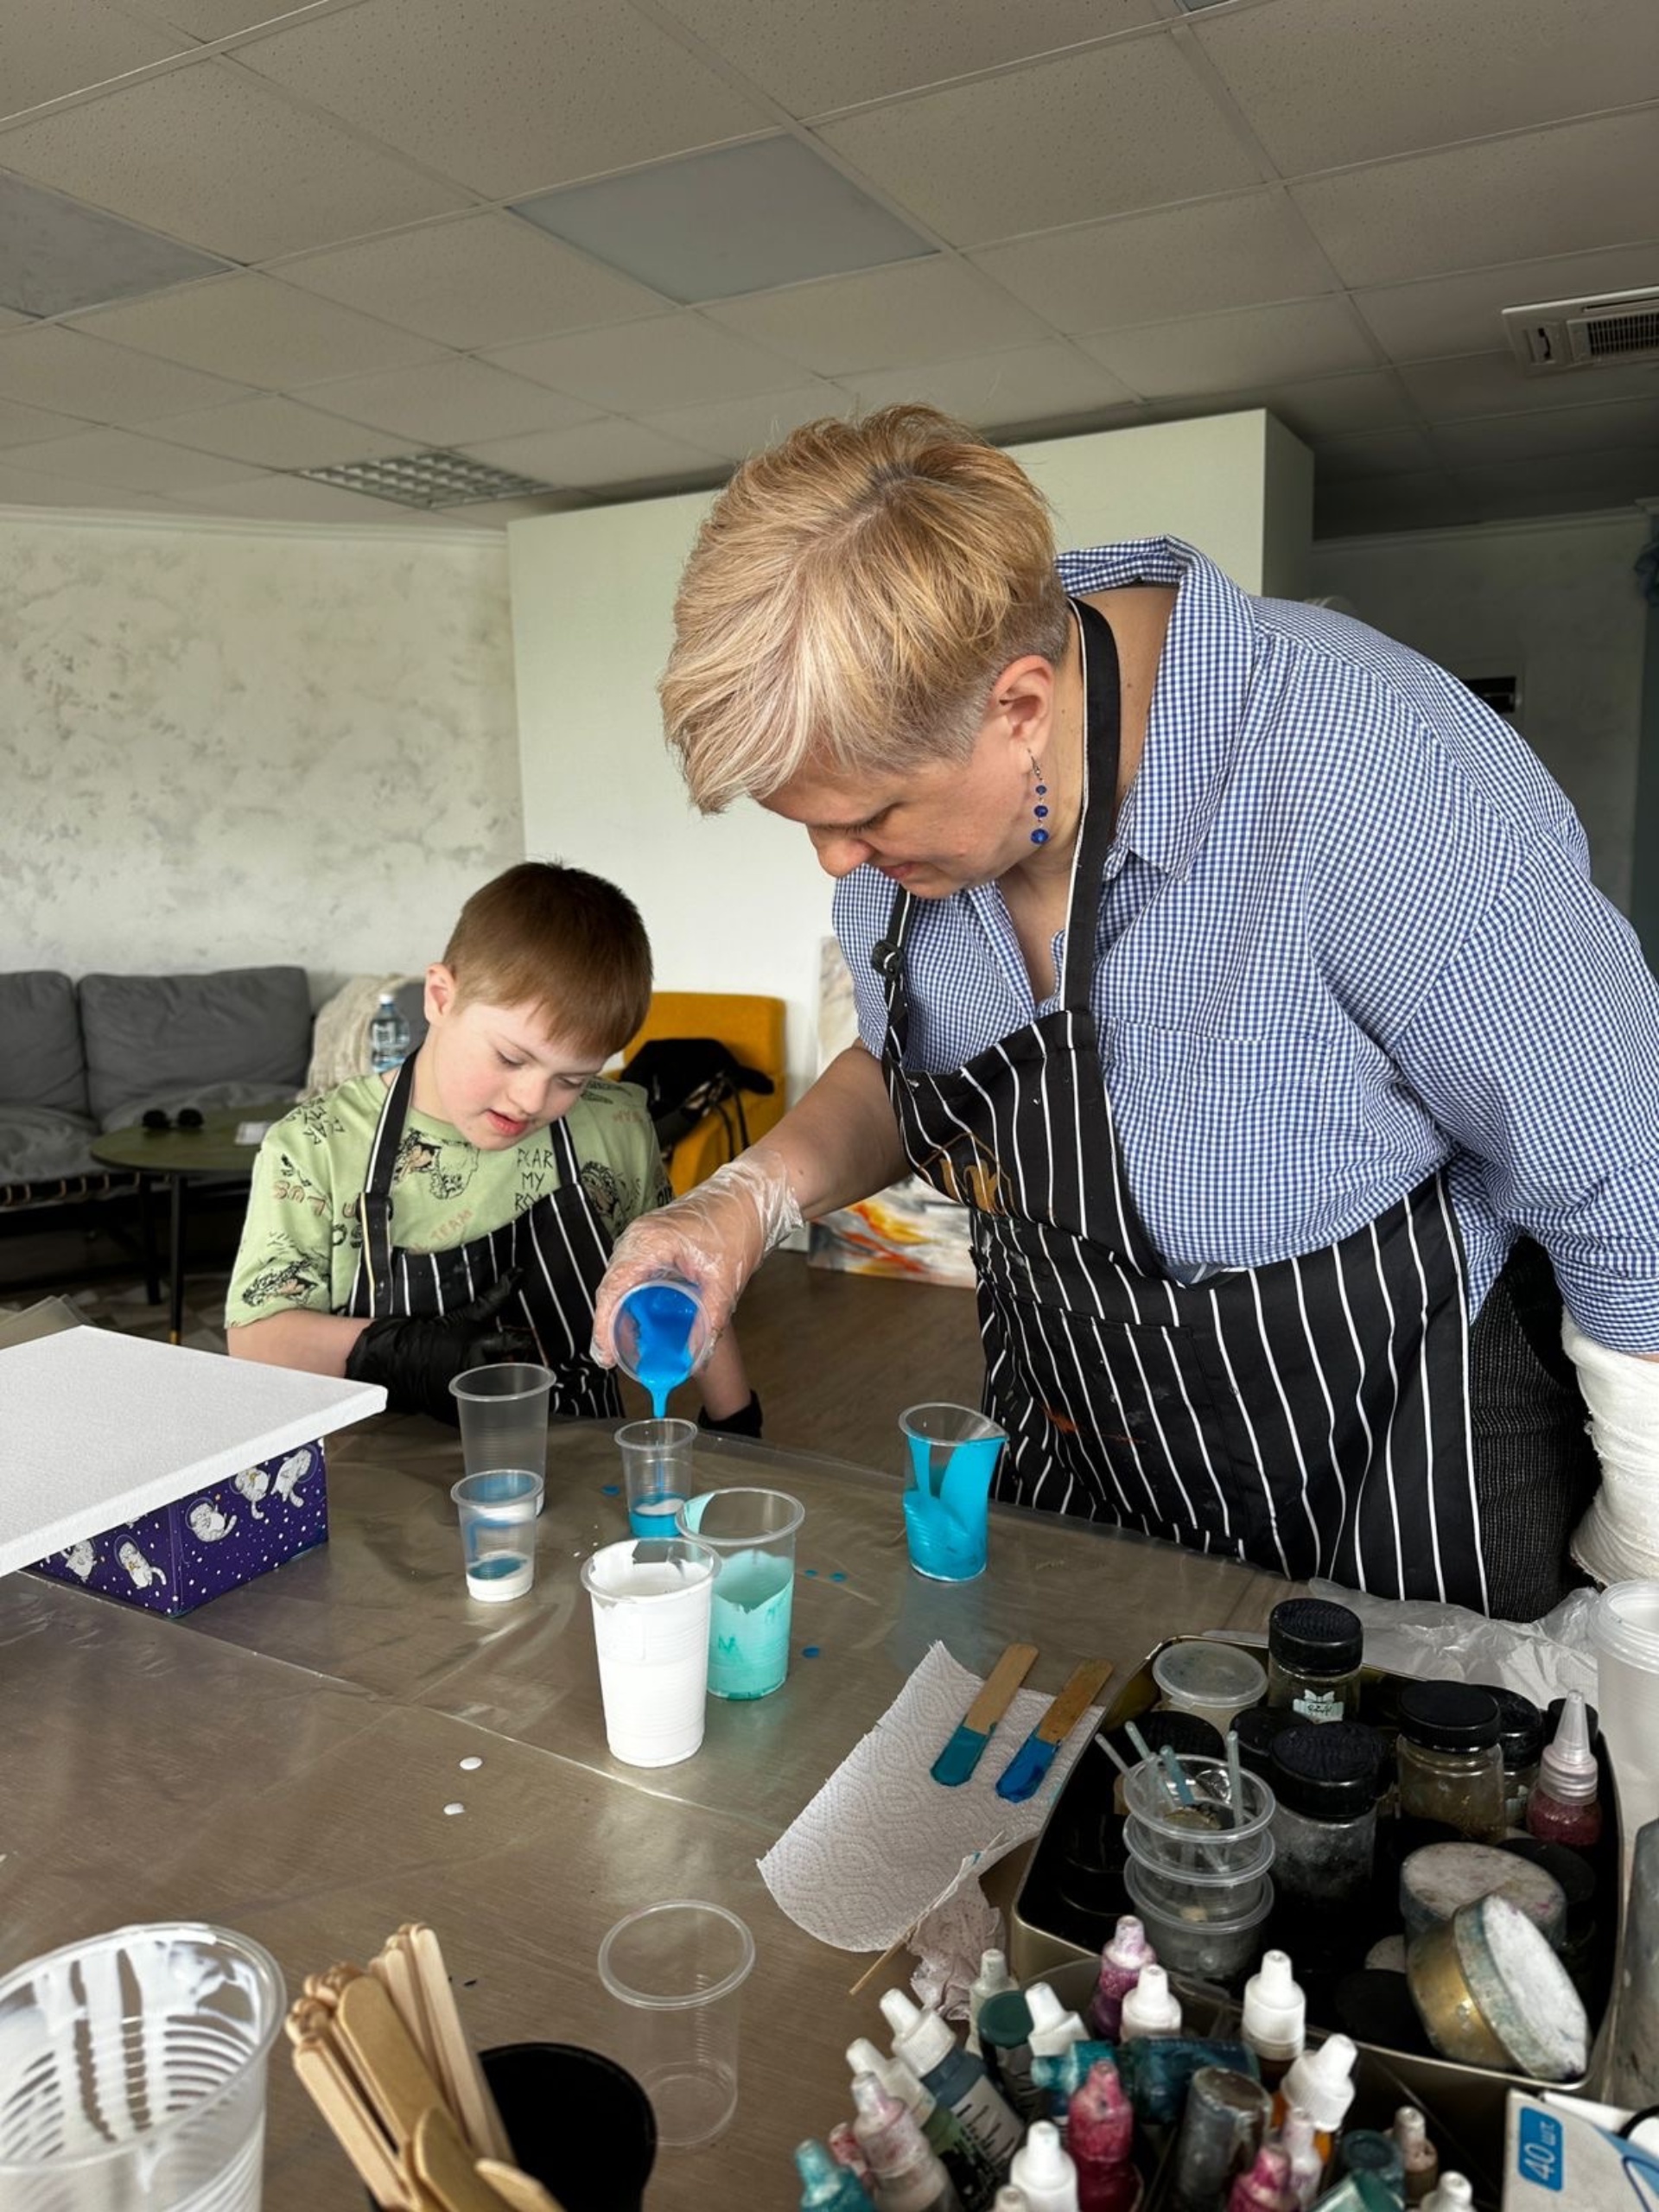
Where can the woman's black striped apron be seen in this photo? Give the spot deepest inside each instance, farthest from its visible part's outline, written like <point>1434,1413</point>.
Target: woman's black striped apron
<point>1312,1415</point>
<point>559,1243</point>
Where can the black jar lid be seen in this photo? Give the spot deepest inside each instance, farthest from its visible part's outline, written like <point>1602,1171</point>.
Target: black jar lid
<point>1327,1770</point>
<point>1449,1716</point>
<point>1520,1726</point>
<point>1256,1727</point>
<point>1312,1636</point>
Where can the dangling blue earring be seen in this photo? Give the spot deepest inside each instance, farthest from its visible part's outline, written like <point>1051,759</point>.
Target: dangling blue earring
<point>1040,834</point>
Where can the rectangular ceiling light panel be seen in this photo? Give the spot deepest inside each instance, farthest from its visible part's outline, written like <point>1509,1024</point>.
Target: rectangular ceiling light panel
<point>57,257</point>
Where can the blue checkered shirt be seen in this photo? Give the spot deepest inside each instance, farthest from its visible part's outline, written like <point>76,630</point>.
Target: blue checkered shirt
<point>1346,936</point>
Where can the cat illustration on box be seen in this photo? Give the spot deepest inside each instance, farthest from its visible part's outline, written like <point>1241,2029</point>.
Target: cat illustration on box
<point>141,1572</point>
<point>80,1560</point>
<point>207,1524</point>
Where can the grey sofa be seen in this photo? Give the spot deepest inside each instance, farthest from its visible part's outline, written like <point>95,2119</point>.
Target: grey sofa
<point>77,1060</point>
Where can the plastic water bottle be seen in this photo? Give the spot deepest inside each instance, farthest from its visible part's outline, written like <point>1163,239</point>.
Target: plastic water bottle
<point>388,1036</point>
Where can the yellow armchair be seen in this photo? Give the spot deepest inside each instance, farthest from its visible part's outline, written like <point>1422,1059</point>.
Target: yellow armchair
<point>752,1030</point>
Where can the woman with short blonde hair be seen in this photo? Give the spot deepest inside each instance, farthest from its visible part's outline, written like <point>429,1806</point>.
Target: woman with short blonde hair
<point>1223,958</point>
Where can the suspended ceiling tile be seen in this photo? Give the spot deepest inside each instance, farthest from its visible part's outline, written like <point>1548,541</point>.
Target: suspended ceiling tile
<point>885,319</point>
<point>1366,399</point>
<point>274,433</point>
<point>1496,384</point>
<point>135,463</point>
<point>510,96</point>
<point>812,58</point>
<point>18,488</point>
<point>292,498</point>
<point>264,333</point>
<point>1027,385</point>
<point>1325,83</point>
<point>29,426</point>
<point>1616,425</point>
<point>1230,352</point>
<point>450,403</point>
<point>48,48</point>
<point>1375,453</point>
<point>1430,499</point>
<point>1464,313</point>
<point>639,368</point>
<point>207,155</point>
<point>1227,253</point>
<point>50,365</point>
<point>496,514</point>
<point>210,19</point>
<point>1123,126</point>
<point>485,280</point>
<point>600,455</point>
<point>56,256</point>
<point>734,429</point>
<point>1562,191</point>
<point>10,322</point>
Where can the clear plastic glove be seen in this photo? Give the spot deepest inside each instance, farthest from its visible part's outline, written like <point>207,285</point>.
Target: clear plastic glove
<point>715,1237</point>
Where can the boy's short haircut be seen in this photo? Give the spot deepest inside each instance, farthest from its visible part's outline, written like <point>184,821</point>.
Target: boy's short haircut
<point>569,943</point>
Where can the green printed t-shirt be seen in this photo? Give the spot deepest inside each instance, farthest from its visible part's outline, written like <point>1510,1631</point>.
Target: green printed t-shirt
<point>303,1231</point>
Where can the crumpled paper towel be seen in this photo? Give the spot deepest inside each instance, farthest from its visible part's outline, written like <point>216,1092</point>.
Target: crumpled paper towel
<point>883,1846</point>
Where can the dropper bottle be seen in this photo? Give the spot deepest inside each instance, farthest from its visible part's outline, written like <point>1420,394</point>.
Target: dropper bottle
<point>1322,2082</point>
<point>972,2174</point>
<point>1418,2156</point>
<point>826,2187</point>
<point>1043,2171</point>
<point>1275,2017</point>
<point>1052,2028</point>
<point>1453,2195</point>
<point>992,1980</point>
<point>906,2175</point>
<point>1151,2008</point>
<point>1266,2187</point>
<point>1120,1966</point>
<point>1099,2139</point>
<point>1298,2141</point>
<point>1565,1806</point>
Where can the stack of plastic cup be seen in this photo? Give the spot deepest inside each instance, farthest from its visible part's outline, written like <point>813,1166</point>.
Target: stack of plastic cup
<point>1198,1872</point>
<point>1625,1629</point>
<point>502,1412</point>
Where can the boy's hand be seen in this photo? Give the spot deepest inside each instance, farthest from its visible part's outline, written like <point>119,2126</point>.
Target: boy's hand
<point>416,1357</point>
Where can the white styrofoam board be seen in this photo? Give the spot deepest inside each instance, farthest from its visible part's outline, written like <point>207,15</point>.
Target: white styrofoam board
<point>96,1429</point>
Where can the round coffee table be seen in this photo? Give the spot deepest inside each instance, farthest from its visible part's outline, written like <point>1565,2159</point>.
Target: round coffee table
<point>174,1156</point>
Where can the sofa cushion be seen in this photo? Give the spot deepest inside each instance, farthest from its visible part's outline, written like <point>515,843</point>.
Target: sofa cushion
<point>38,1145</point>
<point>150,1038</point>
<point>40,1043</point>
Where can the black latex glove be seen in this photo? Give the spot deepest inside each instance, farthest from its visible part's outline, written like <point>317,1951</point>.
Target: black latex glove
<point>417,1355</point>
<point>746,1422</point>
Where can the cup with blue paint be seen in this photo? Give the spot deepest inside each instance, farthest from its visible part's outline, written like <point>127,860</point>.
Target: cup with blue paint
<point>497,1511</point>
<point>752,1533</point>
<point>950,1455</point>
<point>662,1335</point>
<point>657,1470</point>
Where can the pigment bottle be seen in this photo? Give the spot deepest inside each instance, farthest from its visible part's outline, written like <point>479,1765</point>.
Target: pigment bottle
<point>956,2077</point>
<point>847,2150</point>
<point>1325,1788</point>
<point>1368,2150</point>
<point>1005,2051</point>
<point>1520,1744</point>
<point>1451,1769</point>
<point>1052,2028</point>
<point>1266,2187</point>
<point>1296,2137</point>
<point>972,2173</point>
<point>904,2174</point>
<point>1566,1806</point>
<point>1100,2136</point>
<point>1314,1649</point>
<point>992,1980</point>
<point>1419,2160</point>
<point>1453,2195</point>
<point>825,2186</point>
<point>1275,2017</point>
<point>1043,2172</point>
<point>1121,1963</point>
<point>1322,2083</point>
<point>1223,2126</point>
<point>1151,2008</point>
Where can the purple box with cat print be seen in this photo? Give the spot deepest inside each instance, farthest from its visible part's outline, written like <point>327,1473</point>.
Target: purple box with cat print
<point>176,1559</point>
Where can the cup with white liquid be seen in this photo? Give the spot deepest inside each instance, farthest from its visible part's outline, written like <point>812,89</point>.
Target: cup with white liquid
<point>651,1602</point>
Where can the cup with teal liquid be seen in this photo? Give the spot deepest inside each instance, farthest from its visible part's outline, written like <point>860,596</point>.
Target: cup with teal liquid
<point>662,1335</point>
<point>951,1453</point>
<point>752,1533</point>
<point>657,1471</point>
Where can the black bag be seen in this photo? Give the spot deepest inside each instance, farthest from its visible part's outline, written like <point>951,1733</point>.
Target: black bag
<point>687,1078</point>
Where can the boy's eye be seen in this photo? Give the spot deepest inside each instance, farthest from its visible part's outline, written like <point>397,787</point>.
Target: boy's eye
<point>506,1063</point>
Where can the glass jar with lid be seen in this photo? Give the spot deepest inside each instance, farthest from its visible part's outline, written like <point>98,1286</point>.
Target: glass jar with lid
<point>1327,1780</point>
<point>1520,1745</point>
<point>1450,1766</point>
<point>1315,1649</point>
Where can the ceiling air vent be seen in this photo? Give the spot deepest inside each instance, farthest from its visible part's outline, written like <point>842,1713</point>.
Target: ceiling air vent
<point>1586,334</point>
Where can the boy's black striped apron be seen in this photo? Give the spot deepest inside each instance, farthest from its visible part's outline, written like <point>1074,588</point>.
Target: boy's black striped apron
<point>1313,1415</point>
<point>559,1243</point>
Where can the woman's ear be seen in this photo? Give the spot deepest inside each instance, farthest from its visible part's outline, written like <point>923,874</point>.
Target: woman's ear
<point>1022,702</point>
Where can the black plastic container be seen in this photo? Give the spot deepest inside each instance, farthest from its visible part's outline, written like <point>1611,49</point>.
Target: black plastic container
<point>581,2124</point>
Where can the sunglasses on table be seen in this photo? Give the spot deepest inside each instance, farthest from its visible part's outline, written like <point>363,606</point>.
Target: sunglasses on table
<point>187,1117</point>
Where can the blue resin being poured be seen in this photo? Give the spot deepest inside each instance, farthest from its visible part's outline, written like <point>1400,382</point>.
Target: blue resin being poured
<point>663,1318</point>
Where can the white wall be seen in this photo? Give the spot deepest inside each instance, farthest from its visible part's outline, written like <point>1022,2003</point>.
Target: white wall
<point>1554,600</point>
<point>222,747</point>
<point>737,903</point>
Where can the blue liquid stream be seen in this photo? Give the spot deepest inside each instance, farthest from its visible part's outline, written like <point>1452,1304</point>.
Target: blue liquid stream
<point>663,1317</point>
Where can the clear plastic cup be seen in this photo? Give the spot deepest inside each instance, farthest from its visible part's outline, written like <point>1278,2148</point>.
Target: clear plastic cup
<point>497,1532</point>
<point>503,1418</point>
<point>753,1533</point>
<point>132,2072</point>
<point>651,1625</point>
<point>657,1468</point>
<point>1215,1832</point>
<point>661,1334</point>
<point>1215,1681</point>
<point>679,1969</point>
<point>1625,1629</point>
<point>1218,1949</point>
<point>950,1455</point>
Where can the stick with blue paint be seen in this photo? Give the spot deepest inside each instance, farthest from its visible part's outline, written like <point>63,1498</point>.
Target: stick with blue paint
<point>1023,1776</point>
<point>957,1762</point>
<point>662,1335</point>
<point>951,1453</point>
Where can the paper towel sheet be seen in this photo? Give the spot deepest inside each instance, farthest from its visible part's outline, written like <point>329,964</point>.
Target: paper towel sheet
<point>882,1841</point>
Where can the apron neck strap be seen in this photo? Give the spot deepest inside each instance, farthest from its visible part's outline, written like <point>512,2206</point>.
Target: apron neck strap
<point>1102,734</point>
<point>374,1207</point>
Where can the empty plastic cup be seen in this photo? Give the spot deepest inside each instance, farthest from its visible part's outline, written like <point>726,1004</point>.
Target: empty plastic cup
<point>1215,1681</point>
<point>651,1626</point>
<point>951,1453</point>
<point>661,1335</point>
<point>132,2072</point>
<point>503,1418</point>
<point>680,1968</point>
<point>657,1468</point>
<point>753,1533</point>
<point>497,1532</point>
<point>1625,1630</point>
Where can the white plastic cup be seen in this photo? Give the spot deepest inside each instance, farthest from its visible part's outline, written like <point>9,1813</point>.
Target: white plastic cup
<point>503,1413</point>
<point>1625,1629</point>
<point>679,1970</point>
<point>132,2072</point>
<point>652,1602</point>
<point>497,1532</point>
